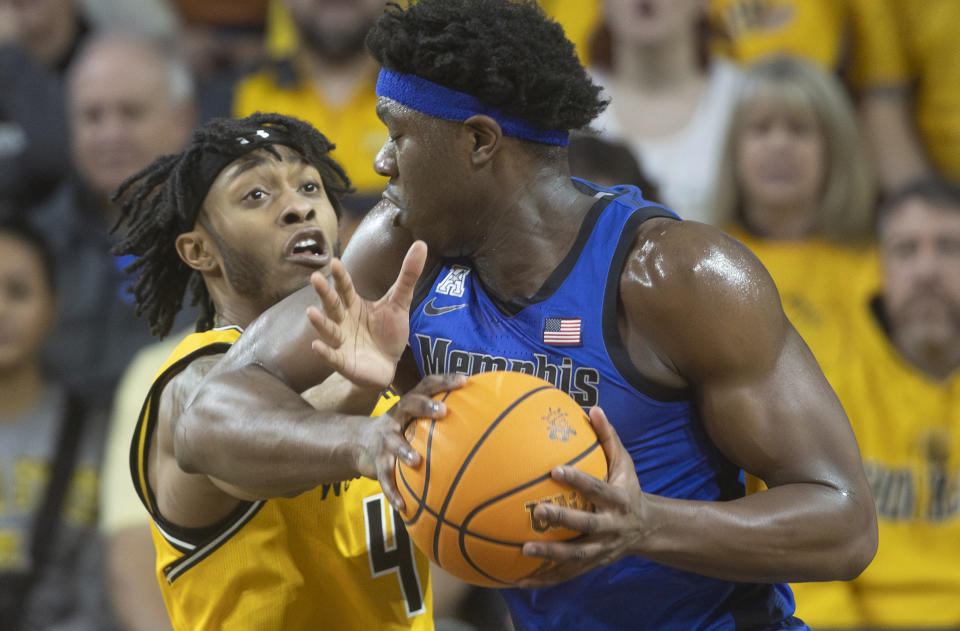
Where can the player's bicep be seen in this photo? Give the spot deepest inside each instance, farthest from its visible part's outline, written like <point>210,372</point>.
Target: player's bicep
<point>710,307</point>
<point>783,425</point>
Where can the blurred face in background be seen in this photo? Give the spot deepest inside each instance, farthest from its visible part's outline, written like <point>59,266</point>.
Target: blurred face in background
<point>780,154</point>
<point>125,110</point>
<point>652,22</point>
<point>920,251</point>
<point>26,302</point>
<point>47,27</point>
<point>334,29</point>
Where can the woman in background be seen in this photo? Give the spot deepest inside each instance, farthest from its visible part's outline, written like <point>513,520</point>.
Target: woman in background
<point>669,99</point>
<point>796,184</point>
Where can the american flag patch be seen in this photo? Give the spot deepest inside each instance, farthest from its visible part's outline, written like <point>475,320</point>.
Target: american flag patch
<point>561,331</point>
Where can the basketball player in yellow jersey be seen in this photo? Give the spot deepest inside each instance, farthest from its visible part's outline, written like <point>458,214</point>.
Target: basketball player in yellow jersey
<point>262,521</point>
<point>900,385</point>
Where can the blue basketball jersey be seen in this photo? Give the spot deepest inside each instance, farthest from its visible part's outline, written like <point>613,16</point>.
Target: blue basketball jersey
<point>567,334</point>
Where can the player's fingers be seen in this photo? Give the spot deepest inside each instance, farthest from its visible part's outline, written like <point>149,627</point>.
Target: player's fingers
<point>329,298</point>
<point>401,293</point>
<point>414,405</point>
<point>574,554</point>
<point>386,467</point>
<point>610,441</point>
<point>328,332</point>
<point>555,516</point>
<point>396,443</point>
<point>329,355</point>
<point>344,284</point>
<point>597,491</point>
<point>435,384</point>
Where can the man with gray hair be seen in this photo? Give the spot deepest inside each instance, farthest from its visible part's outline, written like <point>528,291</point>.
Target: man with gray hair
<point>129,100</point>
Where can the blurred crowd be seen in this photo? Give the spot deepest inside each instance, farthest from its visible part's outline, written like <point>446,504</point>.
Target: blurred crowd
<point>823,134</point>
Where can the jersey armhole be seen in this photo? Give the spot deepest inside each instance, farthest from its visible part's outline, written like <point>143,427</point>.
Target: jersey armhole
<point>611,331</point>
<point>183,539</point>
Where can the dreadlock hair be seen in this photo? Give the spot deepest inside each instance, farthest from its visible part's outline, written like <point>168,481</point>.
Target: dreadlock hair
<point>506,53</point>
<point>164,200</point>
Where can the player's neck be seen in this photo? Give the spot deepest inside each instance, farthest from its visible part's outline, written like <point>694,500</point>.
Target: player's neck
<point>230,310</point>
<point>529,237</point>
<point>20,389</point>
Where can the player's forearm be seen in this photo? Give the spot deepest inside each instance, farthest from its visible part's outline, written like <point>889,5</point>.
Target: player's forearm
<point>342,395</point>
<point>250,431</point>
<point>796,532</point>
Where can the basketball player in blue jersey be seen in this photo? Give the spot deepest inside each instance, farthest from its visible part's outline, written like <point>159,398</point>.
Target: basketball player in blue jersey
<point>670,329</point>
<point>258,518</point>
<point>671,332</point>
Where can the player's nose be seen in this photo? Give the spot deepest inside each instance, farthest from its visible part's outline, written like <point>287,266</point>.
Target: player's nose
<point>296,209</point>
<point>385,163</point>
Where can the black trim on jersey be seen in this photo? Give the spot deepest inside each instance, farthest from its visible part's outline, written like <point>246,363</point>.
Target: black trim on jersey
<point>611,331</point>
<point>513,306</point>
<point>424,286</point>
<point>231,526</point>
<point>196,536</point>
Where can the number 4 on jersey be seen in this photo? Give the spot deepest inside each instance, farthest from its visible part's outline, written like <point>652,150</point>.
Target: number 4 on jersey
<point>396,557</point>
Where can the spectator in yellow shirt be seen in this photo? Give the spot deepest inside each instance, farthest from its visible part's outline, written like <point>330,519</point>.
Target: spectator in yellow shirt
<point>329,81</point>
<point>856,39</point>
<point>899,382</point>
<point>796,184</point>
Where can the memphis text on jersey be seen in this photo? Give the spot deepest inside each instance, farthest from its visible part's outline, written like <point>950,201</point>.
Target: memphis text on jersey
<point>579,382</point>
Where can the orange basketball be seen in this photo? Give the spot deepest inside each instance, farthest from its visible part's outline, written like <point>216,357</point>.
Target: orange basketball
<point>486,465</point>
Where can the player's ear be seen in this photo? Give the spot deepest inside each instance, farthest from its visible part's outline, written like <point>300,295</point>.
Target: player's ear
<point>197,250</point>
<point>486,133</point>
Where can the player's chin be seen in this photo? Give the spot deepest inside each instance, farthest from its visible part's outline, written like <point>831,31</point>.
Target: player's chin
<point>299,278</point>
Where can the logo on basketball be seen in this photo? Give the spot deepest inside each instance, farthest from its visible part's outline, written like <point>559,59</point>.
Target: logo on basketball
<point>571,499</point>
<point>559,425</point>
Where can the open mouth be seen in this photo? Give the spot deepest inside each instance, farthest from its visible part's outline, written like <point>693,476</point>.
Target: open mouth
<point>308,247</point>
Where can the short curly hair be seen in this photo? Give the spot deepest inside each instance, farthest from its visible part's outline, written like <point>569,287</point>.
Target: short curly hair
<point>506,53</point>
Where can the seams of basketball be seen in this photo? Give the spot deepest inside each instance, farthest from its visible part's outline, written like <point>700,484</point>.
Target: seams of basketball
<point>466,463</point>
<point>464,527</point>
<point>422,499</point>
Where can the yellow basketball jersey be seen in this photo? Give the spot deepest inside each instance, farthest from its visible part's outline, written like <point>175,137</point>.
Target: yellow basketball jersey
<point>336,557</point>
<point>908,428</point>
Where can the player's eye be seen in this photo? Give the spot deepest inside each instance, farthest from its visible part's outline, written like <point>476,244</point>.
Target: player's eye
<point>255,195</point>
<point>311,187</point>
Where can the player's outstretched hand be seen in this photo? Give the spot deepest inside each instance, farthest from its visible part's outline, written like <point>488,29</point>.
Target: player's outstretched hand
<point>610,532</point>
<point>384,440</point>
<point>363,340</point>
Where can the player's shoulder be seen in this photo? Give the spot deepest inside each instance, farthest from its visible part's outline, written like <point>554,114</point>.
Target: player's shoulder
<point>690,251</point>
<point>674,266</point>
<point>191,360</point>
<point>688,286</point>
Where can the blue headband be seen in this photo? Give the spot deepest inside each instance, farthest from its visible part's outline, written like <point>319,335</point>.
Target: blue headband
<point>436,100</point>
